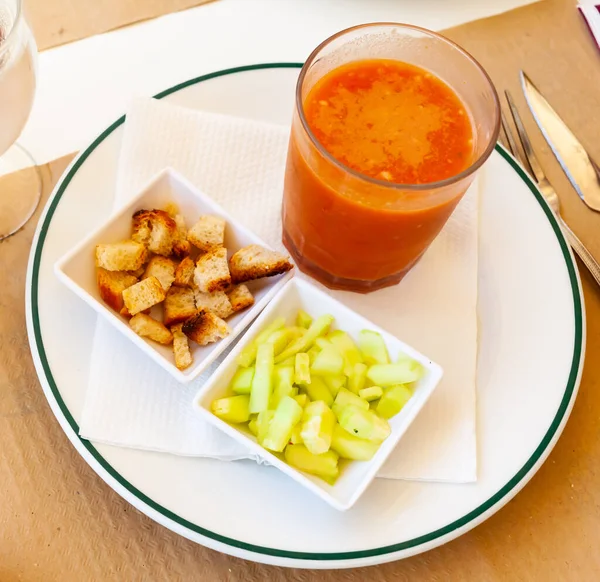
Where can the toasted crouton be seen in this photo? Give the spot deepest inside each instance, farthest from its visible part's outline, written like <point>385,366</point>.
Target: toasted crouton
<point>156,230</point>
<point>172,209</point>
<point>217,302</point>
<point>255,262</point>
<point>184,273</point>
<point>143,295</point>
<point>240,297</point>
<point>161,268</point>
<point>207,233</point>
<point>138,272</point>
<point>122,256</point>
<point>181,245</point>
<point>179,305</point>
<point>181,348</point>
<point>205,328</point>
<point>112,284</point>
<point>145,326</point>
<point>212,272</point>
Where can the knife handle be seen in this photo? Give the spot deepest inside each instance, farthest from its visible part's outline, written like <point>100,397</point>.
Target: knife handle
<point>586,257</point>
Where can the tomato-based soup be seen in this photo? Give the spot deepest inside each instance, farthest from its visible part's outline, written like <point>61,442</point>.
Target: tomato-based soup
<point>387,120</point>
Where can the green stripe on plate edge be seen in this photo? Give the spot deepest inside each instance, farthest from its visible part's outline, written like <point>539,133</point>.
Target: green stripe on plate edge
<point>430,537</point>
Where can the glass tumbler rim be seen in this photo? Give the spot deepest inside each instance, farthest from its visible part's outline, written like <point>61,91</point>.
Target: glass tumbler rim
<point>429,186</point>
<point>7,40</point>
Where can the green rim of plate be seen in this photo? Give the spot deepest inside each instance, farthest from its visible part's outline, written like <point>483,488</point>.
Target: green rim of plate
<point>424,539</point>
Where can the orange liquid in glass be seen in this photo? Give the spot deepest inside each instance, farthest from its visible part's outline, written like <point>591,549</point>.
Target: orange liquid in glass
<point>384,119</point>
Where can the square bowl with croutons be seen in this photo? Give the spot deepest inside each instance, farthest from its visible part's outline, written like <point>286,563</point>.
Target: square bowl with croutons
<point>318,391</point>
<point>176,274</point>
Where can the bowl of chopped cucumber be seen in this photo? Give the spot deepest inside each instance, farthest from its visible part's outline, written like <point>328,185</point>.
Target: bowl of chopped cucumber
<point>319,392</point>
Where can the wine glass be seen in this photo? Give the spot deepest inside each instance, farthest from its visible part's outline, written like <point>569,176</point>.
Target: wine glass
<point>20,189</point>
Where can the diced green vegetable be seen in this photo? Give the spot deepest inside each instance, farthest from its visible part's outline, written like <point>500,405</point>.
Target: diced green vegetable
<point>301,399</point>
<point>372,347</point>
<point>242,380</point>
<point>317,427</point>
<point>364,424</point>
<point>302,369</point>
<point>371,393</point>
<point>324,465</point>
<point>253,426</point>
<point>393,400</point>
<point>284,386</point>
<point>356,381</point>
<point>262,383</point>
<point>346,398</point>
<point>279,339</point>
<point>263,421</point>
<point>232,409</point>
<point>343,342</point>
<point>317,328</point>
<point>296,438</point>
<point>385,375</point>
<point>287,415</point>
<point>303,319</point>
<point>351,447</point>
<point>334,383</point>
<point>312,354</point>
<point>248,354</point>
<point>321,343</point>
<point>317,390</point>
<point>288,363</point>
<point>328,361</point>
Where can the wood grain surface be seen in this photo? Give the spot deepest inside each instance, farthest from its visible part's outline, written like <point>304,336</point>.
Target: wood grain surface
<point>60,522</point>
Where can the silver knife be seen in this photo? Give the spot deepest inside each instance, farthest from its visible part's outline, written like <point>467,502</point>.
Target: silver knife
<point>582,171</point>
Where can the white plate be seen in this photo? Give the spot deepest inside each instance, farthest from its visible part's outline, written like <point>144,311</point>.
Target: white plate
<point>77,269</point>
<point>532,337</point>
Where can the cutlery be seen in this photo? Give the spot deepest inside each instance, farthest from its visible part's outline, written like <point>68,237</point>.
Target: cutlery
<point>532,165</point>
<point>582,171</point>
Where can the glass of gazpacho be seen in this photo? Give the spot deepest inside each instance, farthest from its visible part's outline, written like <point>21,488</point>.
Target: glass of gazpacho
<point>390,124</point>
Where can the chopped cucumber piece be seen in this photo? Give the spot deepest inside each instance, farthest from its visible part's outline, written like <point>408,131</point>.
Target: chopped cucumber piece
<point>288,363</point>
<point>287,415</point>
<point>313,353</point>
<point>303,319</point>
<point>356,381</point>
<point>343,342</point>
<point>372,347</point>
<point>242,380</point>
<point>263,421</point>
<point>324,465</point>
<point>364,424</point>
<point>371,393</point>
<point>281,390</point>
<point>296,438</point>
<point>283,375</point>
<point>346,398</point>
<point>317,390</point>
<point>301,399</point>
<point>317,328</point>
<point>334,383</point>
<point>262,383</point>
<point>232,409</point>
<point>393,400</point>
<point>328,361</point>
<point>385,375</point>
<point>349,446</point>
<point>321,343</point>
<point>248,354</point>
<point>317,427</point>
<point>253,426</point>
<point>302,369</point>
<point>279,339</point>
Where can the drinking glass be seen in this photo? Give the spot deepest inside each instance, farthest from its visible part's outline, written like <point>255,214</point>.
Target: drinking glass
<point>20,189</point>
<point>359,233</point>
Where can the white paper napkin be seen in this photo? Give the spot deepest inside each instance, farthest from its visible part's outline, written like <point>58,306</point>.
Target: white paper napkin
<point>132,402</point>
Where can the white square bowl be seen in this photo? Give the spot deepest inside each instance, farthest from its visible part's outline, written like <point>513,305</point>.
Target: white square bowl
<point>355,476</point>
<point>77,268</point>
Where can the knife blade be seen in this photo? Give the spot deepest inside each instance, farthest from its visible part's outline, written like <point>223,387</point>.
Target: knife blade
<point>581,170</point>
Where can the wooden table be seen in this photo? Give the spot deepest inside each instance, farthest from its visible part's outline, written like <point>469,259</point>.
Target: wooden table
<point>59,521</point>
